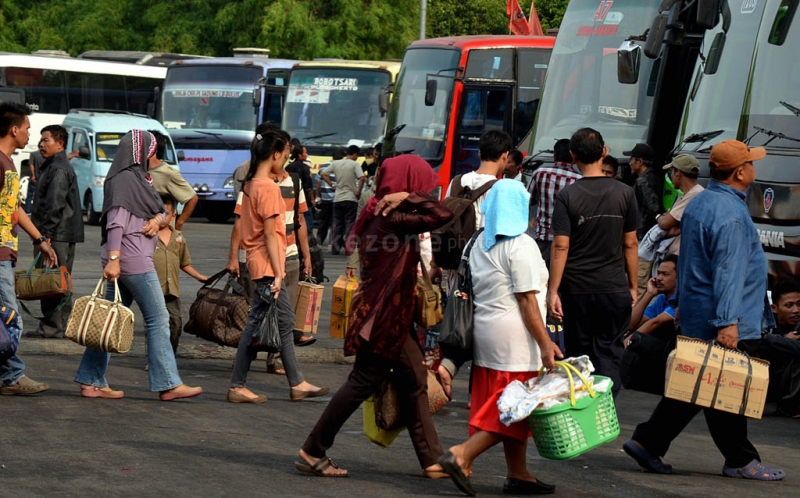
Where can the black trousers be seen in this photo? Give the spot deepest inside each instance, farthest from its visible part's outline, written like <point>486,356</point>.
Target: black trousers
<point>325,220</point>
<point>729,431</point>
<point>344,217</point>
<point>410,377</point>
<point>55,322</point>
<point>594,325</point>
<point>544,247</point>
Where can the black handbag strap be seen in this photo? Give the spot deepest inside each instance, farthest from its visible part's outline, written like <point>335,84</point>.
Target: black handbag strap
<point>463,265</point>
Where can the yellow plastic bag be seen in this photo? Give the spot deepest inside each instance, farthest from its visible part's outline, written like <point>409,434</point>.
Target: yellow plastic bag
<point>374,433</point>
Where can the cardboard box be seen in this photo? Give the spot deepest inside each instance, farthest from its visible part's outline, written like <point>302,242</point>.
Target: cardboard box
<point>713,376</point>
<point>343,290</point>
<point>307,307</point>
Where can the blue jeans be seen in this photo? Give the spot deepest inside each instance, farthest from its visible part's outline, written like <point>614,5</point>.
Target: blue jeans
<point>146,291</point>
<point>11,369</point>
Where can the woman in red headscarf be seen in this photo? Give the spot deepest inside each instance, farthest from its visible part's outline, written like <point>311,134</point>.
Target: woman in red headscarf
<point>380,334</point>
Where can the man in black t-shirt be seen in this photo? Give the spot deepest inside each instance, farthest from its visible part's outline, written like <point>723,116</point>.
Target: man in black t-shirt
<point>594,259</point>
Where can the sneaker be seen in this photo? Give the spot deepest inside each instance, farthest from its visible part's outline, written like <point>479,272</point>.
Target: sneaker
<point>25,385</point>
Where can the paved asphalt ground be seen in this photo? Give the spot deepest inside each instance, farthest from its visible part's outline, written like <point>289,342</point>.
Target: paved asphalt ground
<point>58,444</point>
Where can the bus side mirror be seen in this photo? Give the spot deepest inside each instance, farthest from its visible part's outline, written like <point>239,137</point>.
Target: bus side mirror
<point>83,152</point>
<point>181,155</point>
<point>655,37</point>
<point>257,96</point>
<point>383,103</point>
<point>629,56</point>
<point>707,13</point>
<point>151,109</point>
<point>715,54</point>
<point>430,92</point>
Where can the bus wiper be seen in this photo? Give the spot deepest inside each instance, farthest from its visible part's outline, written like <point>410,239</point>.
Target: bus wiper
<point>393,132</point>
<point>218,136</point>
<point>772,134</point>
<point>323,135</point>
<point>789,106</point>
<point>697,138</point>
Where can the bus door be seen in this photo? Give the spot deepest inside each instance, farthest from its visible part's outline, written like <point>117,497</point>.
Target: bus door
<point>274,95</point>
<point>484,106</point>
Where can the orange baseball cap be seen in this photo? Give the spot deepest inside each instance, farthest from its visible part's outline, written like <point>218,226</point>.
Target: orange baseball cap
<point>730,154</point>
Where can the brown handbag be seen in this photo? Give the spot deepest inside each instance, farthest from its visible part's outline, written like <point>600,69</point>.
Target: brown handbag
<point>428,305</point>
<point>388,414</point>
<point>220,315</point>
<point>42,283</point>
<point>100,324</point>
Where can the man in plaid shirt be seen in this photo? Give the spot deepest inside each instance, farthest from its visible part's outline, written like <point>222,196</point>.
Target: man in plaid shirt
<point>545,184</point>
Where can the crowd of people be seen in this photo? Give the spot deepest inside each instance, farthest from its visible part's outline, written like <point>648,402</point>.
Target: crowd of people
<point>602,258</point>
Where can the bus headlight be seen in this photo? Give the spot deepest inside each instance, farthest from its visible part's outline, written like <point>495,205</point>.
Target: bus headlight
<point>228,182</point>
<point>98,181</point>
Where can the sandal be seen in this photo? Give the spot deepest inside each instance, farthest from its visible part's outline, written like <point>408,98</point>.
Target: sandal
<point>754,470</point>
<point>100,392</point>
<point>449,465</point>
<point>319,468</point>
<point>277,371</point>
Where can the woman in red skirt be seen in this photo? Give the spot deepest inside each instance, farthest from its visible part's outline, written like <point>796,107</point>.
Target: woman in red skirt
<point>509,281</point>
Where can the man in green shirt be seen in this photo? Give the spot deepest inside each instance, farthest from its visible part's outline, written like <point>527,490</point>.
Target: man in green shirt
<point>168,181</point>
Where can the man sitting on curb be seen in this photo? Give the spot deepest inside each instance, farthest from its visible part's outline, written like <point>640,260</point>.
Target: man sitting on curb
<point>654,312</point>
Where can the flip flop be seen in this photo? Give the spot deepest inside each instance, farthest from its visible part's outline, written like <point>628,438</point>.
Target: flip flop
<point>276,371</point>
<point>308,342</point>
<point>645,459</point>
<point>318,469</point>
<point>754,470</point>
<point>449,464</point>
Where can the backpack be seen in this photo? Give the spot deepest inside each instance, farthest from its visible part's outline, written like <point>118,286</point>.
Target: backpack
<point>9,333</point>
<point>449,240</point>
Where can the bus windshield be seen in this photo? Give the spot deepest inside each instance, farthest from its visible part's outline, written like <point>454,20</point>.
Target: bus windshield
<point>719,98</point>
<point>773,116</point>
<point>210,98</point>
<point>424,127</point>
<point>335,106</point>
<point>582,88</point>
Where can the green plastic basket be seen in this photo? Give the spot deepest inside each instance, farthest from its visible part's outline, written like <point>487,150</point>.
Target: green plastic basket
<point>566,431</point>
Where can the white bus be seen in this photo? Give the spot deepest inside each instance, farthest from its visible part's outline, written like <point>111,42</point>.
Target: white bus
<point>54,85</point>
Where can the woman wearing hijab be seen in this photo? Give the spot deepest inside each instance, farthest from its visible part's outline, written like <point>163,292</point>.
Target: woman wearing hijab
<point>380,334</point>
<point>509,280</point>
<point>131,217</point>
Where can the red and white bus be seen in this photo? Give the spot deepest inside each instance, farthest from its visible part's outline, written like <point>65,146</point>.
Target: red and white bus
<point>451,90</point>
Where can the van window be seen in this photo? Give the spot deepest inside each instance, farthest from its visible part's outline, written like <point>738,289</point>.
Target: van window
<point>107,144</point>
<point>79,139</point>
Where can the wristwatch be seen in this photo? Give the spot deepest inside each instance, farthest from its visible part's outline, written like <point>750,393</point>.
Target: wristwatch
<point>113,257</point>
<point>40,240</point>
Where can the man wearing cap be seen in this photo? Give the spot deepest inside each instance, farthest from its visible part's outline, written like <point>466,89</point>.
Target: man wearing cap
<point>647,189</point>
<point>722,282</point>
<point>683,171</point>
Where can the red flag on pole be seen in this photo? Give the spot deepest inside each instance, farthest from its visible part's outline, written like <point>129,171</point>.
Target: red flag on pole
<point>535,27</point>
<point>516,19</point>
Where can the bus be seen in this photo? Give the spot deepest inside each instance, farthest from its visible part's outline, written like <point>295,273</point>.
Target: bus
<point>735,95</point>
<point>211,108</point>
<point>332,104</point>
<point>450,90</point>
<point>51,86</point>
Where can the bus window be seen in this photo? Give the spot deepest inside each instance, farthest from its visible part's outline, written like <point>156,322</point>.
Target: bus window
<point>482,109</point>
<point>531,70</point>
<point>491,63</point>
<point>44,89</point>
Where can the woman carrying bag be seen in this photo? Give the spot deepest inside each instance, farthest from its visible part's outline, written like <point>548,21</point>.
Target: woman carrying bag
<point>510,342</point>
<point>263,232</point>
<point>380,334</point>
<point>131,217</point>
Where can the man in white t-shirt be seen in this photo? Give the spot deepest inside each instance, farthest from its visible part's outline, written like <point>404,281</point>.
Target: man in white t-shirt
<point>683,171</point>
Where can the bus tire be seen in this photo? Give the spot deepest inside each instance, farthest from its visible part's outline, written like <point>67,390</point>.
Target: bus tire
<point>92,216</point>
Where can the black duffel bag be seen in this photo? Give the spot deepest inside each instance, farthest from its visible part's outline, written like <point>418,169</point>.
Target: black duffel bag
<point>220,315</point>
<point>644,363</point>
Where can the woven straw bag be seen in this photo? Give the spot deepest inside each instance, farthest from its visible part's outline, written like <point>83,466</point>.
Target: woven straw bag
<point>100,324</point>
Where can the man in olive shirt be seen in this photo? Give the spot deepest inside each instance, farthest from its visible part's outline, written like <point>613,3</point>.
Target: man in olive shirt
<point>168,181</point>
